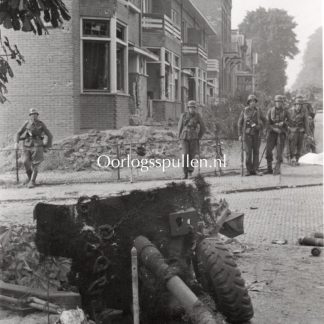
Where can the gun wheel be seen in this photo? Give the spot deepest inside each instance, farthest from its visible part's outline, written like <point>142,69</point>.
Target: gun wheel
<point>222,279</point>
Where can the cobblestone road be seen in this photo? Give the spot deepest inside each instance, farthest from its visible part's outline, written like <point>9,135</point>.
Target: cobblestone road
<point>279,214</point>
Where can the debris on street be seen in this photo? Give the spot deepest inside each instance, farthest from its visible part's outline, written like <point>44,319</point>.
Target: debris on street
<point>279,242</point>
<point>311,241</point>
<point>316,252</point>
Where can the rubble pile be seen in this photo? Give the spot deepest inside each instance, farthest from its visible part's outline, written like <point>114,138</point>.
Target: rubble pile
<point>80,152</point>
<point>21,263</point>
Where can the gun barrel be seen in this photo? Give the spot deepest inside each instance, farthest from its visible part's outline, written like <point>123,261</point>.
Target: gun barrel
<point>154,261</point>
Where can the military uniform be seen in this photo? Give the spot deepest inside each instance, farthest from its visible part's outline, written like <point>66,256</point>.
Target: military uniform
<point>191,128</point>
<point>298,125</point>
<point>249,127</point>
<point>277,121</point>
<point>311,117</point>
<point>32,133</point>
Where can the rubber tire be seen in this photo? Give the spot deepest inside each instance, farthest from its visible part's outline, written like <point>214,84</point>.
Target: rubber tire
<point>222,279</point>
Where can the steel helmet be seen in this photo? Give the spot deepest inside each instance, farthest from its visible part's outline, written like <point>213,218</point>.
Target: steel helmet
<point>33,111</point>
<point>252,97</point>
<point>192,103</point>
<point>278,98</point>
<point>299,101</point>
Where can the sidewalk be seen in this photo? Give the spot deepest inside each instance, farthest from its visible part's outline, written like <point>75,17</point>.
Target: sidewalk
<point>17,203</point>
<point>291,176</point>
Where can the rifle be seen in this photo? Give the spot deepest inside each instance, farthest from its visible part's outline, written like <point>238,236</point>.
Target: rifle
<point>17,167</point>
<point>242,156</point>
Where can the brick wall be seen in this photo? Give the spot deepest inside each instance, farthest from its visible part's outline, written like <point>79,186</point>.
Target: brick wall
<point>45,82</point>
<point>122,110</point>
<point>97,8</point>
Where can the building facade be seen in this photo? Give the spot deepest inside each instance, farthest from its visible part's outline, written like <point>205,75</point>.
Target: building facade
<point>117,61</point>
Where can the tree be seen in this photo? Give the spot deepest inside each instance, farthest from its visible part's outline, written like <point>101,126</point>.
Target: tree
<point>272,32</point>
<point>26,16</point>
<point>311,75</point>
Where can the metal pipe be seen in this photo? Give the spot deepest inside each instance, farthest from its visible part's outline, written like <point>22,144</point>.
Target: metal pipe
<point>154,261</point>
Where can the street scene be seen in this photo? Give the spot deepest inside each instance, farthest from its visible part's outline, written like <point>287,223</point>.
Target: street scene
<point>161,162</point>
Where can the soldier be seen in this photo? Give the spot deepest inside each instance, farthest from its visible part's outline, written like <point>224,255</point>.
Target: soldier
<point>311,117</point>
<point>298,125</point>
<point>191,128</point>
<point>249,129</point>
<point>32,133</point>
<point>277,120</point>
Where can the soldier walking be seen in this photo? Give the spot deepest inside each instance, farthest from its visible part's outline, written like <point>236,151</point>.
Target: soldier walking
<point>32,133</point>
<point>191,128</point>
<point>277,121</point>
<point>250,125</point>
<point>298,126</point>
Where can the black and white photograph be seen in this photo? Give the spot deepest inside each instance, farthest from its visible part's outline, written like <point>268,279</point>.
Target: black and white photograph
<point>161,162</point>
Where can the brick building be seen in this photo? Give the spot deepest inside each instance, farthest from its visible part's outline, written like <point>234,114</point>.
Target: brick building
<point>118,59</point>
<point>114,59</point>
<point>231,58</point>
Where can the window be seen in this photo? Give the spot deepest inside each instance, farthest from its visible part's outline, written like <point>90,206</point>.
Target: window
<point>96,65</point>
<point>184,31</point>
<point>146,6</point>
<point>120,32</point>
<point>100,49</point>
<point>96,55</point>
<point>175,17</point>
<point>120,68</point>
<point>142,66</point>
<point>96,28</point>
<point>121,57</point>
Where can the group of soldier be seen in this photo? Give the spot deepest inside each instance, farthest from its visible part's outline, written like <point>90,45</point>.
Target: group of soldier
<point>282,125</point>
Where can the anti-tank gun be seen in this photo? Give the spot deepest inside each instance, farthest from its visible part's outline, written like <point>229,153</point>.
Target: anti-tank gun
<point>179,221</point>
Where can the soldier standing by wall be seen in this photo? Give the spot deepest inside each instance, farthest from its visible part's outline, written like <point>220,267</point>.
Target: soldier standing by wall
<point>250,125</point>
<point>298,125</point>
<point>191,128</point>
<point>32,133</point>
<point>277,120</point>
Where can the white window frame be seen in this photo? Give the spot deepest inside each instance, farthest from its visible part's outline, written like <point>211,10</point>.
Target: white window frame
<point>125,44</point>
<point>113,41</point>
<point>101,39</point>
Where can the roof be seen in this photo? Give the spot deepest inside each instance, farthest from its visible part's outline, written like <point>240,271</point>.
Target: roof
<point>188,4</point>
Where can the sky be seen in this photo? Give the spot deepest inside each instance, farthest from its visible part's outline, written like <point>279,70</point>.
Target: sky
<point>307,14</point>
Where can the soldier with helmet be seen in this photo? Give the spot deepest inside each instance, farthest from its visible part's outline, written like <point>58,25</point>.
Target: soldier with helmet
<point>32,133</point>
<point>250,124</point>
<point>191,128</point>
<point>277,118</point>
<point>311,116</point>
<point>298,126</point>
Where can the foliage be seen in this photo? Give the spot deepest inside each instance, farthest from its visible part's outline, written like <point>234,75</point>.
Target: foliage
<point>226,114</point>
<point>274,39</point>
<point>5,69</point>
<point>22,264</point>
<point>27,16</point>
<point>311,75</point>
<point>30,15</point>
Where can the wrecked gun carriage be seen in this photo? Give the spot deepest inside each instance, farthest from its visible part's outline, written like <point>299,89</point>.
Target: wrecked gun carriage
<point>98,235</point>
